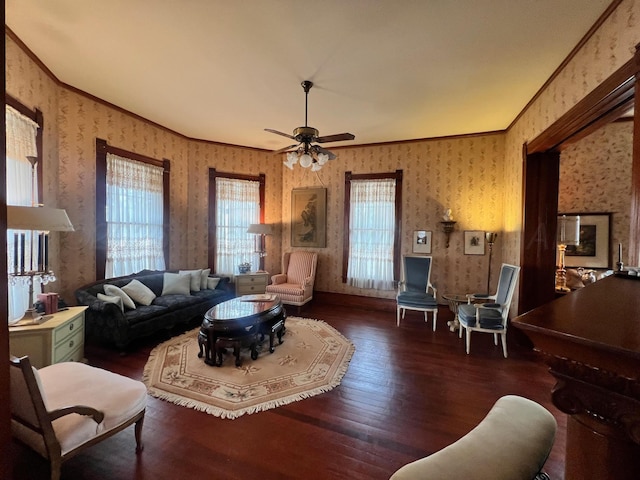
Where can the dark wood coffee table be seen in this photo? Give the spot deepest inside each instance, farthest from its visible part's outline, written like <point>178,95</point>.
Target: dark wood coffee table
<point>242,322</point>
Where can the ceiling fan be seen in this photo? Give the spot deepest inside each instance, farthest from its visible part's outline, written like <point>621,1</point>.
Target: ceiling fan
<point>304,150</point>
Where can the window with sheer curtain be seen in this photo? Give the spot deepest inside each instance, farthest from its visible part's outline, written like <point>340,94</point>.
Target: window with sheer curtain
<point>372,244</point>
<point>237,205</point>
<point>21,133</point>
<point>134,215</point>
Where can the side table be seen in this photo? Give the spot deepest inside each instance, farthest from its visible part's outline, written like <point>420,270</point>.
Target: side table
<point>454,300</point>
<point>251,283</point>
<point>60,338</point>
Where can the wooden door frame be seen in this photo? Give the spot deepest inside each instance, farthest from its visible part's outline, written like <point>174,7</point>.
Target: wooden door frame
<point>605,103</point>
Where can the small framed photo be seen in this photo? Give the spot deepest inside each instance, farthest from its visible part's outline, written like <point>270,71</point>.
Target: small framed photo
<point>421,241</point>
<point>473,242</point>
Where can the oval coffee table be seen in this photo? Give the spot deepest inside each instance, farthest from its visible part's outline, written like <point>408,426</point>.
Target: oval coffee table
<point>239,323</point>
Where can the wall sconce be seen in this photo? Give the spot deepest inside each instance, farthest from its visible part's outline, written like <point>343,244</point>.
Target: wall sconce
<point>260,230</point>
<point>491,239</point>
<point>447,228</point>
<point>568,234</point>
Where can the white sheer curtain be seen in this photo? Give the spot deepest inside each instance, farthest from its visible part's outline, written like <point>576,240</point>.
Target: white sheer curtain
<point>134,217</point>
<point>21,134</point>
<point>371,234</point>
<point>237,206</point>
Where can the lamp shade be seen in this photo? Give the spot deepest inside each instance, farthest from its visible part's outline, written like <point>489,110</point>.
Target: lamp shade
<point>569,229</point>
<point>260,229</point>
<point>44,219</point>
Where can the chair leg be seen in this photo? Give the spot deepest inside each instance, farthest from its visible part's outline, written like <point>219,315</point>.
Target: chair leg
<point>138,434</point>
<point>495,339</point>
<point>504,343</point>
<point>435,319</point>
<point>460,328</point>
<point>468,340</point>
<point>55,465</point>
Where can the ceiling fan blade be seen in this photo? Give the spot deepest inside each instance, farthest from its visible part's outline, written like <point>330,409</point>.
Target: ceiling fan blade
<point>319,149</point>
<point>279,133</point>
<point>335,138</point>
<point>285,148</point>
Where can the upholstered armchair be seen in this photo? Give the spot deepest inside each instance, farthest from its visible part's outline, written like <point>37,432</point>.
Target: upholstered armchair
<point>492,315</point>
<point>416,291</point>
<point>63,408</point>
<point>295,285</point>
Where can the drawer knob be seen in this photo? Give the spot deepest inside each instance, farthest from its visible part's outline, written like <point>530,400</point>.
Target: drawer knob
<point>71,344</point>
<point>71,327</point>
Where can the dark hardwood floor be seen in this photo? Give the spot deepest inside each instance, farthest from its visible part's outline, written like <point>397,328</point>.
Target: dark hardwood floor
<point>408,392</point>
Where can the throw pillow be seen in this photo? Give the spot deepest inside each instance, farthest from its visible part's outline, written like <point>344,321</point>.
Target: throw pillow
<point>111,299</point>
<point>196,278</point>
<point>176,284</point>
<point>112,290</point>
<point>203,278</point>
<point>139,292</point>
<point>212,283</point>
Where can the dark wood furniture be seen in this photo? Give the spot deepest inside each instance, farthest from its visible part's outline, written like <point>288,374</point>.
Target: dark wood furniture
<point>240,323</point>
<point>590,339</point>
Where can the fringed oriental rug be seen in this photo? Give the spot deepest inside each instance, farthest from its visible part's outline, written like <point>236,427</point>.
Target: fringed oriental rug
<point>312,359</point>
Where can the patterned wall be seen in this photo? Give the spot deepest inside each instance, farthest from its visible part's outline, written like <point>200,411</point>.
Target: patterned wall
<point>478,177</point>
<point>595,176</point>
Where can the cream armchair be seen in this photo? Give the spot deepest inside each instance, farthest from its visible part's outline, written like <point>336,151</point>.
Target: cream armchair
<point>61,409</point>
<point>295,285</point>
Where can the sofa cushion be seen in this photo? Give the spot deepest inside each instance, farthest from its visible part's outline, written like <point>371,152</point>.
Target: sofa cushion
<point>143,312</point>
<point>139,292</point>
<point>174,302</point>
<point>196,278</point>
<point>176,284</point>
<point>203,278</point>
<point>112,290</point>
<point>111,299</point>
<point>212,283</point>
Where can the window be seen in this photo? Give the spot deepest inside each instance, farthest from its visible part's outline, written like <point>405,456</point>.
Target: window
<point>132,212</point>
<point>24,187</point>
<point>235,202</point>
<point>371,251</point>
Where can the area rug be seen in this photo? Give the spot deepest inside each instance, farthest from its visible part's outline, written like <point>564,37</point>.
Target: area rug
<point>312,359</point>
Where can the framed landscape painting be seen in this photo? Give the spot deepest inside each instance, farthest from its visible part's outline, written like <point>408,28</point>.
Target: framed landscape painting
<point>309,217</point>
<point>594,250</point>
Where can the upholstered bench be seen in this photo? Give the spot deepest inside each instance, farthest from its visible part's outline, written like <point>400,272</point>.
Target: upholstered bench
<point>511,443</point>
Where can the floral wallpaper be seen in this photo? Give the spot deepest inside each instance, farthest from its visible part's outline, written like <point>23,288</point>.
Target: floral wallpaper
<point>595,176</point>
<point>479,177</point>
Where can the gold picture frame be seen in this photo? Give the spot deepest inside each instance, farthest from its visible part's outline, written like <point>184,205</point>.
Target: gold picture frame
<point>309,217</point>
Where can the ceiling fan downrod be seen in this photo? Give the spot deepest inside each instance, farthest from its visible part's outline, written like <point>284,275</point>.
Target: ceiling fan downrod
<point>306,86</point>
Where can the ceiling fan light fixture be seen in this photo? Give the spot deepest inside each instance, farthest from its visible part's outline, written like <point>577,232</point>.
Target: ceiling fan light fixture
<point>292,159</point>
<point>315,167</point>
<point>322,158</point>
<point>306,160</point>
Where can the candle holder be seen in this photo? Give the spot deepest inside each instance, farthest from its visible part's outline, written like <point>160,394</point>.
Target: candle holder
<point>31,315</point>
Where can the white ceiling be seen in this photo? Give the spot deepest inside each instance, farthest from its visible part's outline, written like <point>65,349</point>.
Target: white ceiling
<point>386,70</point>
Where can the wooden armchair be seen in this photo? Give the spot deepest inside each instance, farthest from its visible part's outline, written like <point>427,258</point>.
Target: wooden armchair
<point>61,409</point>
<point>294,285</point>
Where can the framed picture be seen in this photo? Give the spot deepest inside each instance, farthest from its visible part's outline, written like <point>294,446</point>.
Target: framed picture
<point>309,217</point>
<point>421,241</point>
<point>473,242</point>
<point>594,250</point>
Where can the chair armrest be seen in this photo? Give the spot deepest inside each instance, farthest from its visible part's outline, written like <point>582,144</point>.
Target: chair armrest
<point>308,281</point>
<point>97,415</point>
<point>488,306</point>
<point>433,289</point>
<point>479,296</point>
<point>278,278</point>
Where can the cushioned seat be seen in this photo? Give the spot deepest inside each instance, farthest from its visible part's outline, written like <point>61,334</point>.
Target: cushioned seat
<point>62,408</point>
<point>415,291</point>
<point>294,285</point>
<point>490,317</point>
<point>511,443</point>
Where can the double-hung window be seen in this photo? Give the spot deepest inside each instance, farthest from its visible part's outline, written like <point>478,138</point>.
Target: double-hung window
<point>23,137</point>
<point>235,202</point>
<point>132,220</point>
<point>372,230</point>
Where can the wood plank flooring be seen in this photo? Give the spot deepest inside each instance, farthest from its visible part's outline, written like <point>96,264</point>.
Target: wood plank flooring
<point>408,392</point>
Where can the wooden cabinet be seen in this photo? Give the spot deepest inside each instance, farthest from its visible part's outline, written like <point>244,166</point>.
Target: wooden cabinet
<point>59,339</point>
<point>251,283</point>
